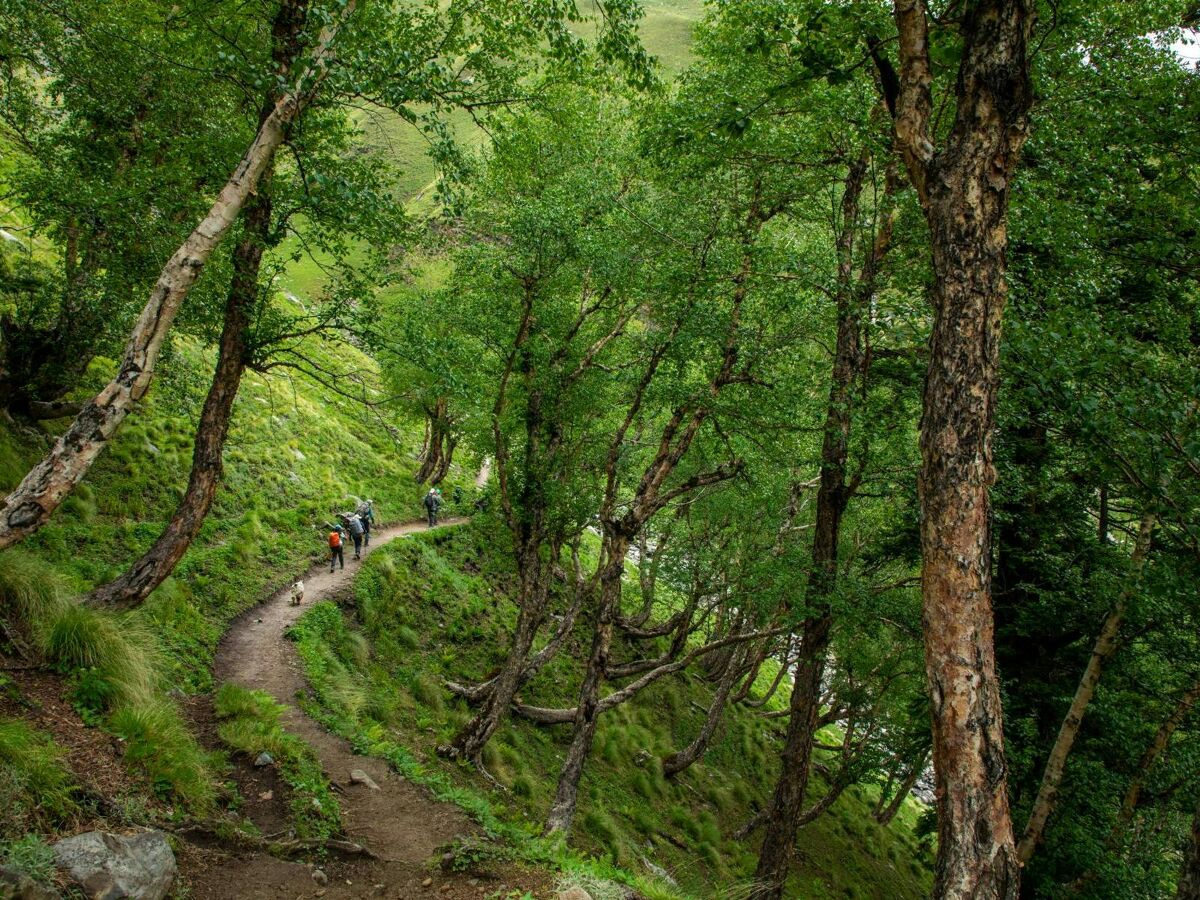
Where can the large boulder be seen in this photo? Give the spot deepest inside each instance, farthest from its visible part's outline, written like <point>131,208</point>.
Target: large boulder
<point>112,866</point>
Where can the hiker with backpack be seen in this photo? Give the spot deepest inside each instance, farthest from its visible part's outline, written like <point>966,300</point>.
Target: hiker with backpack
<point>354,523</point>
<point>335,547</point>
<point>433,502</point>
<point>366,514</point>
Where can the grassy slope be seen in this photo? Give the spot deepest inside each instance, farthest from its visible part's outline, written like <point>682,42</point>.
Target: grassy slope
<point>296,455</point>
<point>433,608</point>
<point>666,32</point>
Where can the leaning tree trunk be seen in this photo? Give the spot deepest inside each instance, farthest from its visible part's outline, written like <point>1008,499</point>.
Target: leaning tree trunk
<point>964,191</point>
<point>43,489</point>
<point>782,817</point>
<point>787,805</point>
<point>679,761</point>
<point>502,689</point>
<point>1106,645</point>
<point>1189,873</point>
<point>1162,738</point>
<point>587,713</point>
<point>148,572</point>
<point>885,816</point>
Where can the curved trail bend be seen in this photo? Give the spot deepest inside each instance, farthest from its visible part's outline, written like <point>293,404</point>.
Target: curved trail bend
<point>400,822</point>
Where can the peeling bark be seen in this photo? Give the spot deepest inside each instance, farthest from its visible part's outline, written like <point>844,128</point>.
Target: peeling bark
<point>149,571</point>
<point>964,191</point>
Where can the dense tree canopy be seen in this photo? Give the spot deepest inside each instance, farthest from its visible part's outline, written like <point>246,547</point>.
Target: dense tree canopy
<point>857,365</point>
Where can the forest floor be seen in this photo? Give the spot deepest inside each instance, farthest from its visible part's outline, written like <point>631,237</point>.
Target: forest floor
<point>400,823</point>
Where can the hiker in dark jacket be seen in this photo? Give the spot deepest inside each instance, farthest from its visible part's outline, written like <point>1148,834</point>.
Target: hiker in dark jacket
<point>356,532</point>
<point>433,502</point>
<point>366,514</point>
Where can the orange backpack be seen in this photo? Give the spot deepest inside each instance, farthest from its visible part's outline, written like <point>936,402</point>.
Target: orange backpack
<point>335,540</point>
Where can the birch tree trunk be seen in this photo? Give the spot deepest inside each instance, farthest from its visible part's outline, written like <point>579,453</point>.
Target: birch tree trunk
<point>906,786</point>
<point>587,713</point>
<point>783,817</point>
<point>1158,745</point>
<point>470,741</point>
<point>679,761</point>
<point>964,191</point>
<point>148,572</point>
<point>1106,645</point>
<point>48,483</point>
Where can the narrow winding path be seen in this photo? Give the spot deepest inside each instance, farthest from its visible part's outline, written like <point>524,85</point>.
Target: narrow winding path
<point>400,822</point>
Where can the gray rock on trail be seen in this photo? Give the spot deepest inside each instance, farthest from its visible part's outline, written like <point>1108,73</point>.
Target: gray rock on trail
<point>264,758</point>
<point>358,776</point>
<point>112,866</point>
<point>320,877</point>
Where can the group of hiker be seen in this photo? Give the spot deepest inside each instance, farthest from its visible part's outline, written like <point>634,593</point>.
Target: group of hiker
<point>356,526</point>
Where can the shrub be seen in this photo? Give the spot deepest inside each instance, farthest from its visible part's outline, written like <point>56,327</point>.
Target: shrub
<point>31,856</point>
<point>159,742</point>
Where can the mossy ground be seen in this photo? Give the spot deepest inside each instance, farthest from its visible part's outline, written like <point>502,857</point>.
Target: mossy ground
<point>435,607</point>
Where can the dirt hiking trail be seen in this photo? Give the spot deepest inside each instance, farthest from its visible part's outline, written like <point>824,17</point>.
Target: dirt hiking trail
<point>399,822</point>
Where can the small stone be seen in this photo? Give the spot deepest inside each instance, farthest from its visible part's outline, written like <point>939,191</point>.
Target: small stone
<point>264,759</point>
<point>427,882</point>
<point>266,795</point>
<point>320,893</point>
<point>320,877</point>
<point>358,776</point>
<point>574,893</point>
<point>446,887</point>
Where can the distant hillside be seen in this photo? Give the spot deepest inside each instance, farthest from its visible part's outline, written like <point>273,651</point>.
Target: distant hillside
<point>666,33</point>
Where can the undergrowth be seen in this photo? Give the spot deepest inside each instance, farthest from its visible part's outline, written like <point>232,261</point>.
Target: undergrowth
<point>296,455</point>
<point>250,724</point>
<point>434,607</point>
<point>35,787</point>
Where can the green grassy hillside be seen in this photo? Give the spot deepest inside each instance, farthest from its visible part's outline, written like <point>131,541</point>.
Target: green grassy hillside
<point>666,32</point>
<point>297,454</point>
<point>434,608</point>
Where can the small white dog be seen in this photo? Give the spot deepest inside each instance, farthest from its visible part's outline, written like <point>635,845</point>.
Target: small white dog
<point>297,593</point>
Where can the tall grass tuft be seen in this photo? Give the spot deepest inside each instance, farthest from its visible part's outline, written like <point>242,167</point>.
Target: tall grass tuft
<point>35,786</point>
